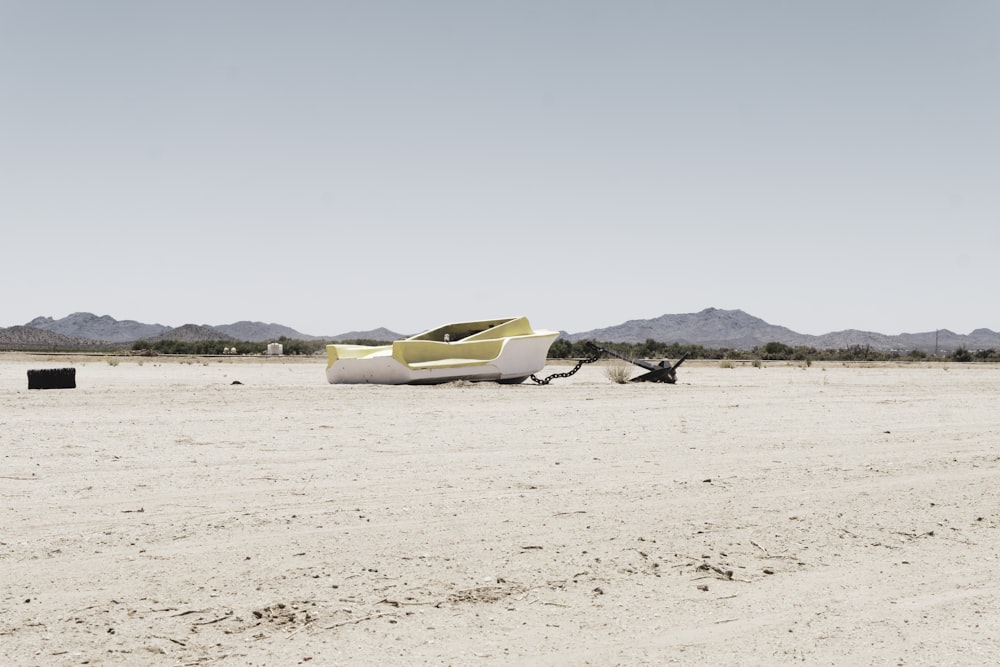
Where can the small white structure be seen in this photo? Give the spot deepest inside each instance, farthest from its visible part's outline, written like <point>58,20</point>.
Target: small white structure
<point>225,350</point>
<point>275,349</point>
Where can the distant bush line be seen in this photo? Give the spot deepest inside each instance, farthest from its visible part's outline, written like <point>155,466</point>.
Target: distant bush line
<point>290,346</point>
<point>651,349</point>
<point>564,349</point>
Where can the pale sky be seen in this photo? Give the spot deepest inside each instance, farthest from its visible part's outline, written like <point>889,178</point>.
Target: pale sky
<point>345,165</point>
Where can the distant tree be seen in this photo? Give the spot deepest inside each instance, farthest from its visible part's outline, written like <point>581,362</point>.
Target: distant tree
<point>560,349</point>
<point>776,350</point>
<point>961,354</point>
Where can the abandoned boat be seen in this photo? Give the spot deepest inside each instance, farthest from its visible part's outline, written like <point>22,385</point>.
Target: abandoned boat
<point>505,350</point>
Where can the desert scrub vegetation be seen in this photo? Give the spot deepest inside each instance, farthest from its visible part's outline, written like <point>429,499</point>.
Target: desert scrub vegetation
<point>773,351</point>
<point>291,347</point>
<point>560,349</point>
<point>618,371</point>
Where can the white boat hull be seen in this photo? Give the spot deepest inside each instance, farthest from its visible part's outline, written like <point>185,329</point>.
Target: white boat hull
<point>429,359</point>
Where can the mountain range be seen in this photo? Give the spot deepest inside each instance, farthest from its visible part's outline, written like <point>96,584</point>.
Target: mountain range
<point>711,327</point>
<point>735,329</point>
<point>106,328</point>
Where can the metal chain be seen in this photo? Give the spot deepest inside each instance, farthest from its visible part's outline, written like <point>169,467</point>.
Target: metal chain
<point>578,366</point>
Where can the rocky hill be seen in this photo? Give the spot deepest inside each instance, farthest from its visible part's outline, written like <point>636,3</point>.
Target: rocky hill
<point>93,327</point>
<point>711,328</point>
<point>191,333</point>
<point>30,338</point>
<point>381,334</point>
<point>259,332</point>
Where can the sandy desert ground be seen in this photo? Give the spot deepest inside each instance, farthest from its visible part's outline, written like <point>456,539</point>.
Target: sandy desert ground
<point>161,514</point>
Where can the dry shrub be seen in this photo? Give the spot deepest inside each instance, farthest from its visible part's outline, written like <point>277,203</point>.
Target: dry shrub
<point>618,371</point>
